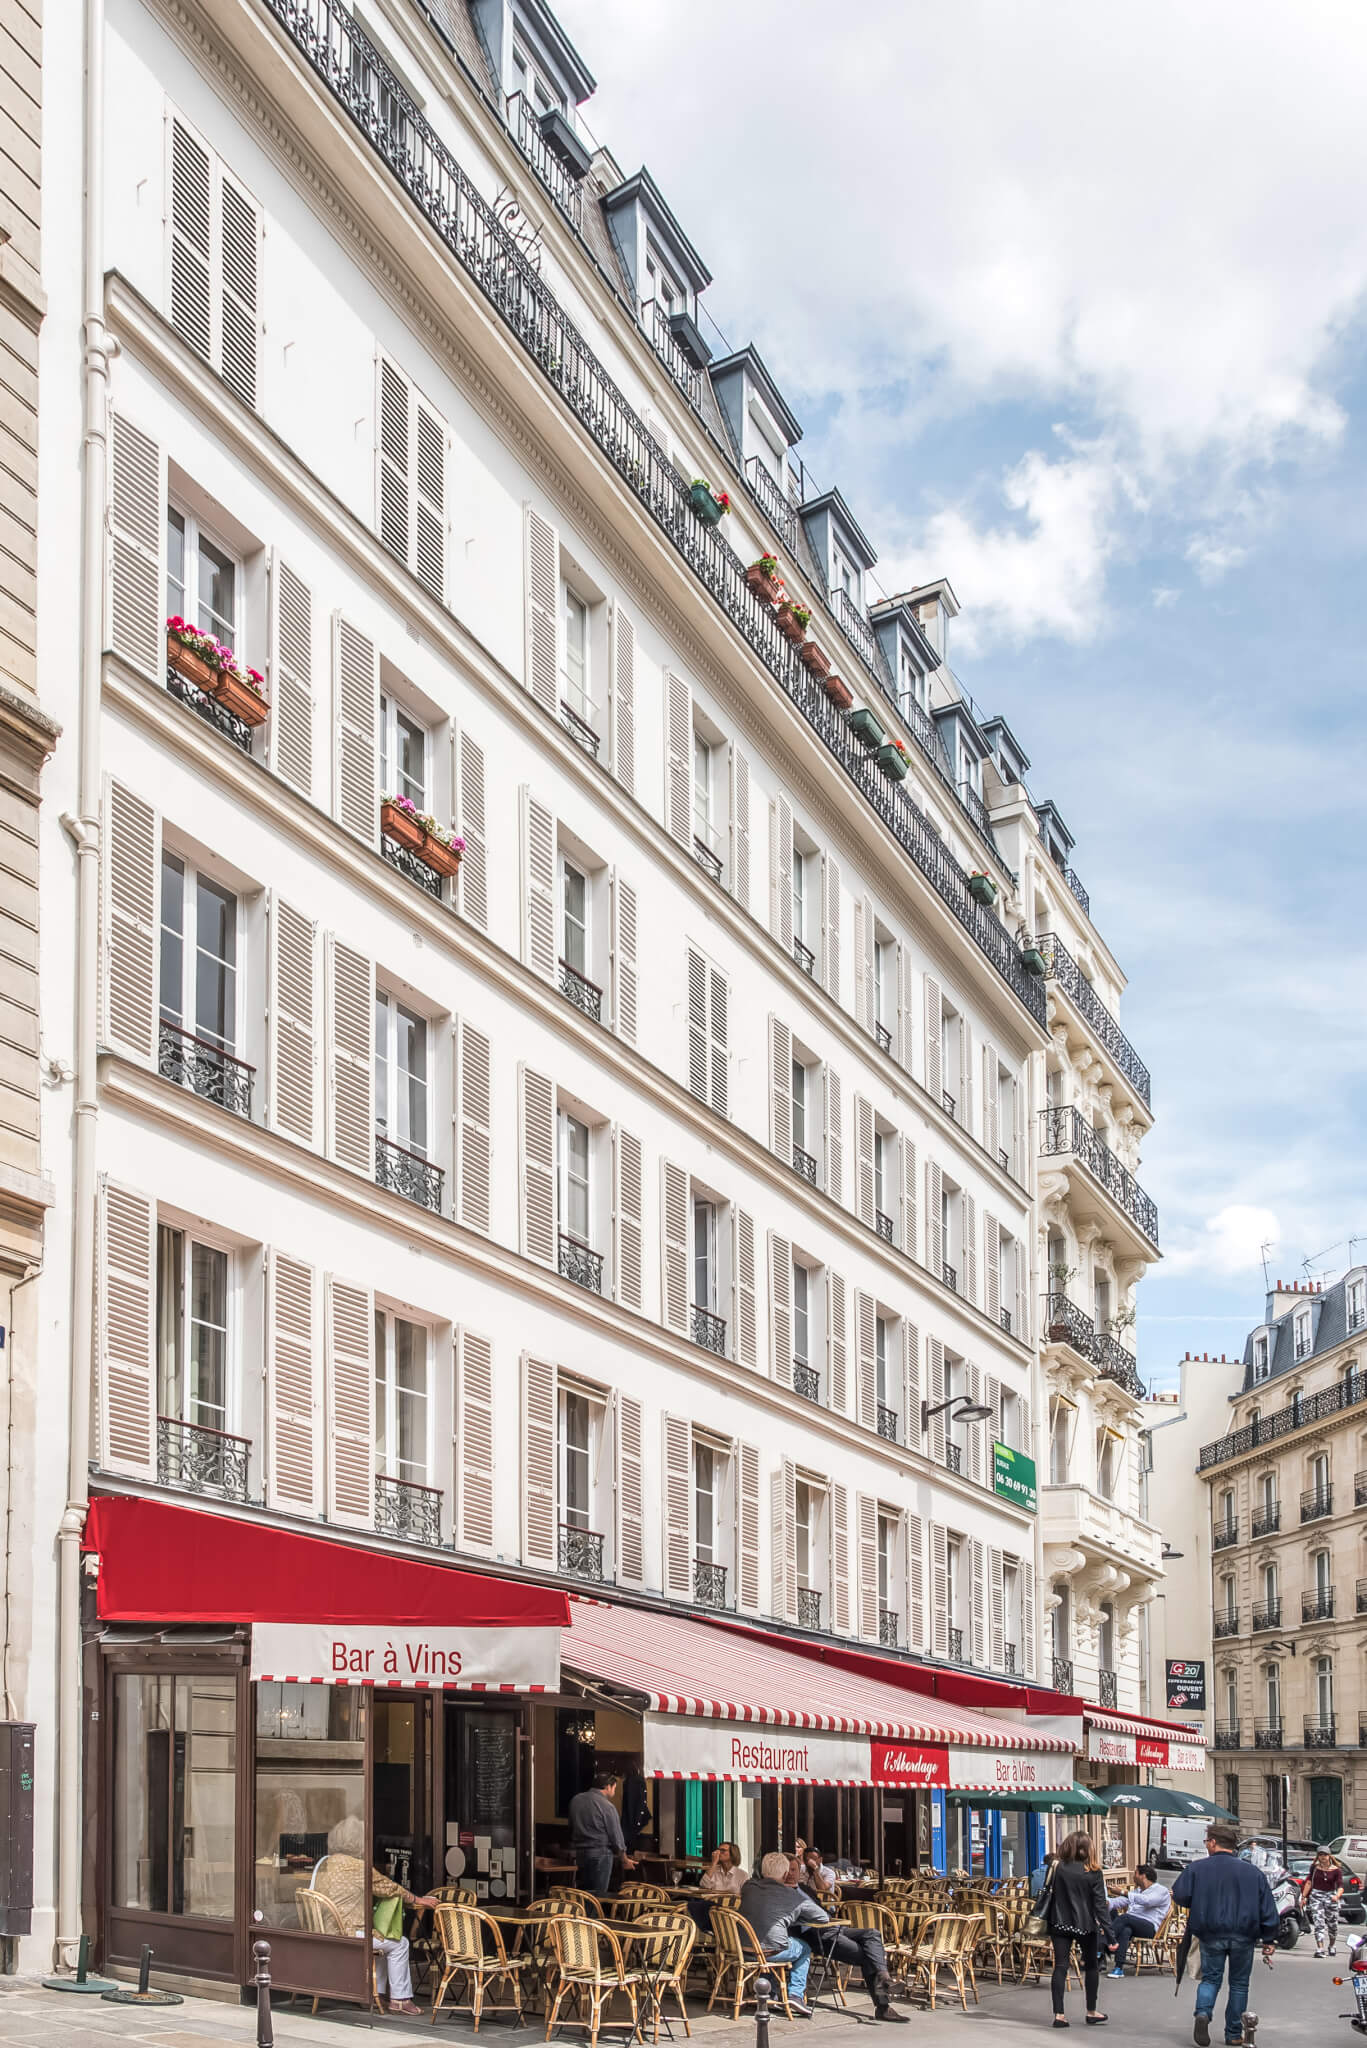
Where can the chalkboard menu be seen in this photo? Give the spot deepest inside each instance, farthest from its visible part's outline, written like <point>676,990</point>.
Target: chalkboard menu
<point>490,1774</point>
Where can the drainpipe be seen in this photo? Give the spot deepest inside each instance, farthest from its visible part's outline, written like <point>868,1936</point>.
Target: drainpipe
<point>85,831</point>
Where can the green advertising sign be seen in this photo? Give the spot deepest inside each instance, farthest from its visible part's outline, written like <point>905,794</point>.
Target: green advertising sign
<point>1013,1477</point>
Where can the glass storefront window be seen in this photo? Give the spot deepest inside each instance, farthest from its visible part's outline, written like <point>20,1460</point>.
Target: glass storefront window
<point>310,1788</point>
<point>175,1793</point>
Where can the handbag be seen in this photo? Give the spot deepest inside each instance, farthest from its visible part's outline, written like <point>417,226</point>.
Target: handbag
<point>387,1918</point>
<point>1036,1924</point>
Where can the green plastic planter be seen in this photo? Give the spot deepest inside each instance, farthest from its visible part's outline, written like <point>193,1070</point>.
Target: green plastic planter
<point>705,505</point>
<point>865,727</point>
<point>983,890</point>
<point>893,764</point>
<point>1032,960</point>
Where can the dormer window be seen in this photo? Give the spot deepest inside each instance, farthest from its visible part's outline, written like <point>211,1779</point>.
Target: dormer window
<point>1303,1338</point>
<point>532,81</point>
<point>1357,1303</point>
<point>1260,1356</point>
<point>661,287</point>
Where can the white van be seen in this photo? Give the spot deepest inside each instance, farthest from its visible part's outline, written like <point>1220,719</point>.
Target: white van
<point>1175,1841</point>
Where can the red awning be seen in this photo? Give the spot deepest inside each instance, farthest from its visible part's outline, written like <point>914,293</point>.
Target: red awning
<point>163,1563</point>
<point>962,1688</point>
<point>1142,1725</point>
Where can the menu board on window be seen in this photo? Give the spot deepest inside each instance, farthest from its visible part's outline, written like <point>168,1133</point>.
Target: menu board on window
<point>491,1773</point>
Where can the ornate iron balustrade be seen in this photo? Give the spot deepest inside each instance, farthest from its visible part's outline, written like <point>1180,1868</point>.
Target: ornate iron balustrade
<point>583,993</point>
<point>347,62</point>
<point>954,1457</point>
<point>1319,1605</point>
<point>1004,1159</point>
<point>1269,1615</point>
<point>956,1645</point>
<point>1362,1596</point>
<point>883,1225</point>
<point>854,624</point>
<point>1074,881</point>
<point>976,808</point>
<point>950,1275</point>
<point>1061,967</point>
<point>805,958</point>
<point>709,1585</point>
<point>408,1173</point>
<point>768,495</point>
<point>1321,1733</point>
<point>202,1460</point>
<point>883,1035</point>
<point>709,861</point>
<point>1360,1489</point>
<point>887,1423</point>
<point>926,734</point>
<point>1316,1503</point>
<point>1116,1364</point>
<point>808,1607</point>
<point>526,133</point>
<point>1066,1323</point>
<point>407,1509</point>
<point>1004,1318</point>
<point>405,862</point>
<point>1227,1735</point>
<point>197,1063</point>
<point>1063,1674</point>
<point>1010,1659</point>
<point>950,1103</point>
<point>1107,1688</point>
<point>1065,1130</point>
<point>580,1263</point>
<point>1295,1415</point>
<point>1225,1623</point>
<point>1268,1521</point>
<point>1267,1734</point>
<point>889,1627</point>
<point>666,347</point>
<point>1223,1534</point>
<point>709,1330</point>
<point>806,1380</point>
<point>580,1552</point>
<point>804,1164</point>
<point>209,709</point>
<point>578,727</point>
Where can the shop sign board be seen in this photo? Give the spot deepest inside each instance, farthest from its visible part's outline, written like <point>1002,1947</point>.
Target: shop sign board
<point>1186,1756</point>
<point>461,1659</point>
<point>1147,1750</point>
<point>909,1763</point>
<point>689,1746</point>
<point>1186,1685</point>
<point>1013,1477</point>
<point>1103,1747</point>
<point>964,1769</point>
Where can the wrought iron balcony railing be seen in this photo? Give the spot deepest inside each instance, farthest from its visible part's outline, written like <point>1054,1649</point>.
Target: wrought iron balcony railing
<point>1063,1674</point>
<point>1066,1323</point>
<point>1316,1503</point>
<point>526,133</point>
<point>1267,1734</point>
<point>1225,1622</point>
<point>1297,1414</point>
<point>197,1063</point>
<point>580,1552</point>
<point>1268,1615</point>
<point>1361,1590</point>
<point>330,40</point>
<point>202,1460</point>
<point>950,1275</point>
<point>707,860</point>
<point>1074,881</point>
<point>883,1225</point>
<point>777,508</point>
<point>804,1165</point>
<point>976,808</point>
<point>954,1457</point>
<point>1360,1489</point>
<point>950,1103</point>
<point>887,1422</point>
<point>583,993</point>
<point>1060,966</point>
<point>1321,1733</point>
<point>1004,1318</point>
<point>1362,1731</point>
<point>1107,1688</point>
<point>1065,1132</point>
<point>805,958</point>
<point>854,624</point>
<point>579,729</point>
<point>709,1330</point>
<point>808,1607</point>
<point>406,1509</point>
<point>1227,1735</point>
<point>806,1380</point>
<point>889,1627</point>
<point>408,1174</point>
<point>1319,1605</point>
<point>1223,1534</point>
<point>1268,1520</point>
<point>406,863</point>
<point>1116,1364</point>
<point>210,710</point>
<point>580,1263</point>
<point>883,1035</point>
<point>666,347</point>
<point>1010,1659</point>
<point>956,1645</point>
<point>709,1585</point>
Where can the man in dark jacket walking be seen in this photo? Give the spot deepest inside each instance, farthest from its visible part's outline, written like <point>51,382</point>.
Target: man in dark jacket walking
<point>1232,1909</point>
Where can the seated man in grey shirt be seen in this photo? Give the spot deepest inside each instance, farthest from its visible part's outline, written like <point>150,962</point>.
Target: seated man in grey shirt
<point>788,1925</point>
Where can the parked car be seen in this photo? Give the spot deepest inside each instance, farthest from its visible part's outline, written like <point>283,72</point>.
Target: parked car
<point>1266,1851</point>
<point>1351,1851</point>
<point>1175,1841</point>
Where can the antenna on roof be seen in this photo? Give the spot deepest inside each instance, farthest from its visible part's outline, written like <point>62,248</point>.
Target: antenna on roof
<point>1264,1248</point>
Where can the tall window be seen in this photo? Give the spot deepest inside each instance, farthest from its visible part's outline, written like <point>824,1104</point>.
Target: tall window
<point>575,908</point>
<point>192,1330</point>
<point>882,1342</point>
<point>1107,1464</point>
<point>806,1538</point>
<point>1324,1691</point>
<point>574,1179</point>
<point>801,1326</point>
<point>704,1503</point>
<point>1357,1304</point>
<point>1105,1637</point>
<point>881,1144</point>
<point>203,581</point>
<point>400,1074</point>
<point>403,753</point>
<point>911,687</point>
<point>198,953</point>
<point>954,1560</point>
<point>1058,1445</point>
<point>1322,1573</point>
<point>1272,1789</point>
<point>705,1255</point>
<point>1228,1597</point>
<point>576,1461</point>
<point>1232,1793</point>
<point>577,680</point>
<point>1270,1588</point>
<point>1231,1697</point>
<point>884,973</point>
<point>887,1550</point>
<point>401,1407</point>
<point>1319,1475</point>
<point>799,896</point>
<point>1260,1356</point>
<point>1273,1684</point>
<point>703,827</point>
<point>1269,1494</point>
<point>531,81</point>
<point>173,1766</point>
<point>800,1106</point>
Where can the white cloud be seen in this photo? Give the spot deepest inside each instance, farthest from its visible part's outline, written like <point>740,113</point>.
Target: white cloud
<point>1230,1245</point>
<point>1164,595</point>
<point>1212,558</point>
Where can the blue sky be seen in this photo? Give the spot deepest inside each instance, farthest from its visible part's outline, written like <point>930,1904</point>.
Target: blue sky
<point>1070,303</point>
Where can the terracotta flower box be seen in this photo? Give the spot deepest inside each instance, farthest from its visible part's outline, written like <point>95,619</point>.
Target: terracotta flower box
<point>441,858</point>
<point>766,587</point>
<point>240,698</point>
<point>793,629</point>
<point>227,685</point>
<point>814,659</point>
<point>410,832</point>
<point>840,694</point>
<point>187,663</point>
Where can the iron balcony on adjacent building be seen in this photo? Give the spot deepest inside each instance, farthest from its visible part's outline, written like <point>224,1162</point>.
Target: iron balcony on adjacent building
<point>1299,1412</point>
<point>1066,1133</point>
<point>1061,967</point>
<point>1225,1622</point>
<point>205,1067</point>
<point>1227,1735</point>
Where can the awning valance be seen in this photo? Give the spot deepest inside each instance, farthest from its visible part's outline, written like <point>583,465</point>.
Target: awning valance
<point>1116,1738</point>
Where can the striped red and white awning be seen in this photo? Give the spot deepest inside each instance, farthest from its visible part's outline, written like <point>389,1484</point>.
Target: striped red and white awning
<point>1142,1724</point>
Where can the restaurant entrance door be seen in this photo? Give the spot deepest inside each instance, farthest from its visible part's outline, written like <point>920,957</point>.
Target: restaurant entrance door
<point>403,1756</point>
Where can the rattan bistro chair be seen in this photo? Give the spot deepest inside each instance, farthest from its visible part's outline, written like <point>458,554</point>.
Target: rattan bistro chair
<point>585,1904</point>
<point>949,1945</point>
<point>461,1935</point>
<point>660,1945</point>
<point>589,1966</point>
<point>318,1914</point>
<point>740,1960</point>
<point>1159,1949</point>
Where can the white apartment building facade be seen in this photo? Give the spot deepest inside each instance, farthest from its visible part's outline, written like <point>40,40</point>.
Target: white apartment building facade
<point>647,1210</point>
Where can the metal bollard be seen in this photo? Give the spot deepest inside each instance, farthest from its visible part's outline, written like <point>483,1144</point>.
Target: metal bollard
<point>261,1952</point>
<point>761,2012</point>
<point>144,1971</point>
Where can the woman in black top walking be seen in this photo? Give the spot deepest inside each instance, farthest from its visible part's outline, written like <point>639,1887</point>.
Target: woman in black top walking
<point>1077,1912</point>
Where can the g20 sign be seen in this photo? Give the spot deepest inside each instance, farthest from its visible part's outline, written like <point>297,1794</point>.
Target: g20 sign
<point>1185,1686</point>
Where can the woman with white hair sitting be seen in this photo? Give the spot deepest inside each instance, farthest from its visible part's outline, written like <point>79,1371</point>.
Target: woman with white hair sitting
<point>340,1876</point>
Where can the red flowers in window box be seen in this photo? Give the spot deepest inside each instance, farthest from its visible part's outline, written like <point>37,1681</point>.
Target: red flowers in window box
<point>212,667</point>
<point>793,620</point>
<point>764,579</point>
<point>401,821</point>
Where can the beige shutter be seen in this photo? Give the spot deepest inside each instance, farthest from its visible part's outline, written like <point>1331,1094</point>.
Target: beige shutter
<point>840,1560</point>
<point>906,1007</point>
<point>393,458</point>
<point>784,1540</point>
<point>678,1491</point>
<point>536,1163</point>
<point>935,1236</point>
<point>718,1030</point>
<point>1021,1325</point>
<point>781,1090</point>
<point>474,1473</point>
<point>1029,1649</point>
<point>623,687</point>
<point>697,1025</point>
<point>623,963</point>
<point>992,1251</point>
<point>356,712</point>
<point>934,1033</point>
<point>130,889</point>
<point>541,567</point>
<point>835,1136</point>
<point>830,925</point>
<point>781,872</point>
<point>1018,1129</point>
<point>743,1274</point>
<point>474,861</point>
<point>865,1312</point>
<point>997,1585</point>
<point>740,828</point>
<point>238,319</point>
<point>289,729</point>
<point>863,1158</point>
<point>911,1382</point>
<point>781,1308</point>
<point>991,1102</point>
<point>294,1436</point>
<point>747,1528</point>
<point>626,1218</point>
<point>863,963</point>
<point>916,1582</point>
<point>992,1398</point>
<point>538,887</point>
<point>975,1429</point>
<point>838,1341</point>
<point>291,1021</point>
<point>909,1234</point>
<point>678,759</point>
<point>868,1563</point>
<point>966,1117</point>
<point>349,1384</point>
<point>977,1602</point>
<point>350,1065</point>
<point>674,1246</point>
<point>970,1233</point>
<point>126,1278</point>
<point>192,234</point>
<point>935,1394</point>
<point>539,1546</point>
<point>627,1468</point>
<point>429,501</point>
<point>939,1591</point>
<point>474,1117</point>
<point>136,573</point>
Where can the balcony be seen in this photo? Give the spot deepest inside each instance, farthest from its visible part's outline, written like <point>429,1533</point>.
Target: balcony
<point>583,993</point>
<point>1004,1318</point>
<point>709,1586</point>
<point>1268,1734</point>
<point>770,498</point>
<point>1319,1605</point>
<point>1316,1503</point>
<point>804,1165</point>
<point>883,1225</point>
<point>1362,1731</point>
<point>1223,1534</point>
<point>1066,1323</point>
<point>883,1035</point>
<point>707,860</point>
<point>408,1174</point>
<point>198,1064</point>
<point>1225,1622</point>
<point>1360,1489</point>
<point>950,1275</point>
<point>950,1103</point>
<point>202,1460</point>
<point>1066,1133</point>
<point>808,1607</point>
<point>1321,1733</point>
<point>1297,1414</point>
<point>1268,1520</point>
<point>579,729</point>
<point>405,1509</point>
<point>351,70</point>
<point>1061,967</point>
<point>1075,1517</point>
<point>1116,1365</point>
<point>210,710</point>
<point>1107,1688</point>
<point>854,624</point>
<point>405,862</point>
<point>954,1458</point>
<point>806,1381</point>
<point>889,1627</point>
<point>525,127</point>
<point>579,1263</point>
<point>656,320</point>
<point>1269,1615</point>
<point>1361,1591</point>
<point>709,1330</point>
<point>887,1422</point>
<point>805,958</point>
<point>1010,1659</point>
<point>1062,1674</point>
<point>956,1646</point>
<point>580,1552</point>
<point>1227,1735</point>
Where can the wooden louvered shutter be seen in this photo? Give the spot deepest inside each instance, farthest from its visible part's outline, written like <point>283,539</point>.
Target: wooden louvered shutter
<point>906,1007</point>
<point>939,1591</point>
<point>541,565</point>
<point>191,222</point>
<point>977,1602</point>
<point>975,1429</point>
<point>238,318</point>
<point>356,713</point>
<point>126,1278</point>
<point>747,1528</point>
<point>916,1582</point>
<point>130,885</point>
<point>718,1026</point>
<point>136,573</point>
<point>292,1393</point>
<point>474,1118</point>
<point>911,1383</point>
<point>429,499</point>
<point>992,1399</point>
<point>289,729</point>
<point>350,1057</point>
<point>678,1492</point>
<point>909,1234</point>
<point>743,1274</point>
<point>473,882</point>
<point>678,759</point>
<point>536,1164</point>
<point>935,1393</point>
<point>991,1102</point>
<point>868,1565</point>
<point>992,1252</point>
<point>1029,1648</point>
<point>538,1462</point>
<point>627,1472</point>
<point>626,1218</point>
<point>474,1463</point>
<point>840,1559</point>
<point>538,887</point>
<point>830,925</point>
<point>781,873</point>
<point>934,1035</point>
<point>624,699</point>
<point>863,963</point>
<point>393,459</point>
<point>934,1222</point>
<point>784,1540</point>
<point>863,1159</point>
<point>835,1137</point>
<point>697,1025</point>
<point>781,1308</point>
<point>349,1384</point>
<point>970,1233</point>
<point>623,962</point>
<point>1021,1325</point>
<point>781,1090</point>
<point>966,1077</point>
<point>674,1246</point>
<point>291,1021</point>
<point>838,1341</point>
<point>740,828</point>
<point>997,1584</point>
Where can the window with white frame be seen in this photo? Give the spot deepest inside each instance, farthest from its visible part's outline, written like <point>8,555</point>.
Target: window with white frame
<point>192,1330</point>
<point>1271,1599</point>
<point>712,1524</point>
<point>1231,1692</point>
<point>576,937</point>
<point>402,1408</point>
<point>1324,1692</point>
<point>576,682</point>
<point>1272,1684</point>
<point>1012,1421</point>
<point>704,1502</point>
<point>533,81</point>
<point>951,1230</point>
<point>404,751</point>
<point>705,1255</point>
<point>1109,1452</point>
<point>198,953</point>
<point>806,1375</point>
<point>661,285</point>
<point>1319,1478</point>
<point>889,1601</point>
<point>576,1202</point>
<point>1060,1442</point>
<point>1260,1355</point>
<point>884,989</point>
<point>804,1133</point>
<point>804,871</point>
<point>1229,1599</point>
<point>203,578</point>
<point>884,1340</point>
<point>1061,1629</point>
<point>401,1079</point>
<point>578,1433</point>
<point>1012,1637</point>
<point>704,821</point>
<point>951,1043</point>
<point>1302,1333</point>
<point>884,1174</point>
<point>810,1546</point>
<point>1356,1303</point>
<point>956,1605</point>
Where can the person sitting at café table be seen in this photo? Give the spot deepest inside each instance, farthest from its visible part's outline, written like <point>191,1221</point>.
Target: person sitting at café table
<point>788,1925</point>
<point>340,1876</point>
<point>1141,1912</point>
<point>724,1872</point>
<point>817,1877</point>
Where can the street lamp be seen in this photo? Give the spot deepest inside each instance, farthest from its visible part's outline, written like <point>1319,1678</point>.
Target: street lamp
<point>958,1408</point>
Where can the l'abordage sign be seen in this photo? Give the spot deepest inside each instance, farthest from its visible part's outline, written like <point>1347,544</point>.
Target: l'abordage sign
<point>1002,1770</point>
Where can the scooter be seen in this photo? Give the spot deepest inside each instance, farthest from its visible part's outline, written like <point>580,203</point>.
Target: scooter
<point>1291,1916</point>
<point>1357,1977</point>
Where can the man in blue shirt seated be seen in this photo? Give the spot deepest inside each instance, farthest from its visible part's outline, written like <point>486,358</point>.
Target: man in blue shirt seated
<point>1142,1911</point>
<point>1232,1909</point>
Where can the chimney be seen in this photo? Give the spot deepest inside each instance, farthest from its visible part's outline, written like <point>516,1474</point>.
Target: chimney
<point>1280,1298</point>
